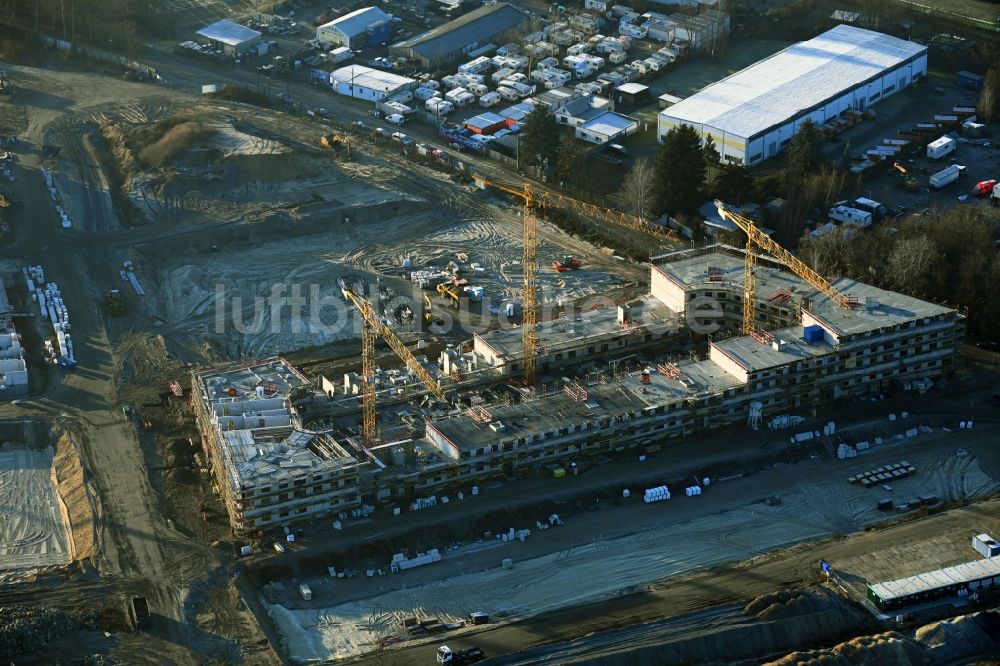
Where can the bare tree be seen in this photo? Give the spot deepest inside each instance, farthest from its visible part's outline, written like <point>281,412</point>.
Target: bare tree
<point>988,107</point>
<point>911,263</point>
<point>636,193</point>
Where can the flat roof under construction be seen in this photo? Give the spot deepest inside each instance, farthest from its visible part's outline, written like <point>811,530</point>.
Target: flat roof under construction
<point>753,355</point>
<point>726,264</point>
<point>573,333</point>
<point>544,415</point>
<point>275,376</point>
<point>877,309</point>
<point>268,455</point>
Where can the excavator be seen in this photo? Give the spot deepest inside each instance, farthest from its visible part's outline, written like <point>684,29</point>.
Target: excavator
<point>336,142</point>
<point>909,182</point>
<point>449,292</point>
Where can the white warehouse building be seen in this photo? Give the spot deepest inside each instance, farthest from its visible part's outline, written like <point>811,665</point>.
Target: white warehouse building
<point>370,84</point>
<point>753,114</point>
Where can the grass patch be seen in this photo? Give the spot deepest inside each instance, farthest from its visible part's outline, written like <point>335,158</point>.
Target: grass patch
<point>176,140</point>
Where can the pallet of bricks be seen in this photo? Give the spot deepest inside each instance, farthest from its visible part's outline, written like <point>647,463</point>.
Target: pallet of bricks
<point>884,474</point>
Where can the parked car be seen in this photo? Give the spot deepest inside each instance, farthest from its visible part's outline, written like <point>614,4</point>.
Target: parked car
<point>984,187</point>
<point>382,132</point>
<point>617,149</point>
<point>402,138</point>
<point>395,119</point>
<point>989,345</point>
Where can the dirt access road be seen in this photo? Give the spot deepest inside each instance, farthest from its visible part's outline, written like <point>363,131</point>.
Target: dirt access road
<point>137,549</point>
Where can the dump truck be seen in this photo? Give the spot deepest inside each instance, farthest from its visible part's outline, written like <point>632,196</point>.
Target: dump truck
<point>445,655</point>
<point>137,611</point>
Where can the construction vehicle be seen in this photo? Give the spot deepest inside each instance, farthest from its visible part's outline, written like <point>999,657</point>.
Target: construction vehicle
<point>137,611</point>
<point>448,291</point>
<point>115,302</point>
<point>336,142</point>
<point>428,309</point>
<point>445,655</point>
<point>536,198</point>
<point>758,239</point>
<point>909,182</point>
<point>567,263</point>
<point>372,329</point>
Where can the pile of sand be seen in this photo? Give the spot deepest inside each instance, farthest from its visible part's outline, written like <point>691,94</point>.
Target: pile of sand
<point>72,488</point>
<point>888,649</point>
<point>964,636</point>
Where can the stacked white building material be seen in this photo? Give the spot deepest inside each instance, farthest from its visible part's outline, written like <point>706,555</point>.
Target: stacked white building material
<point>657,494</point>
<point>54,310</point>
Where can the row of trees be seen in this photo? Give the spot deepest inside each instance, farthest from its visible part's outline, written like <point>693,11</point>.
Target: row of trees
<point>946,257</point>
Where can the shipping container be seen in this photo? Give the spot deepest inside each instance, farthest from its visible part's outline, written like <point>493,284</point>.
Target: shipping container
<point>969,80</point>
<point>986,545</point>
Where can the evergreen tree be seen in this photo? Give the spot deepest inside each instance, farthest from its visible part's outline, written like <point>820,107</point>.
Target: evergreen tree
<point>679,172</point>
<point>540,137</point>
<point>804,155</point>
<point>712,158</point>
<point>571,162</point>
<point>735,183</point>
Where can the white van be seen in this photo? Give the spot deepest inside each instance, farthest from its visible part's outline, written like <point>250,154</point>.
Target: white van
<point>395,119</point>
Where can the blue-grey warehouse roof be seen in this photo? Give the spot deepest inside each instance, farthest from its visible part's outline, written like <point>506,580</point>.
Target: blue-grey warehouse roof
<point>476,26</point>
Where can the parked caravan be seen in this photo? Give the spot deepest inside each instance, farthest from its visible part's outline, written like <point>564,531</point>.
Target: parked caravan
<point>477,66</point>
<point>441,107</point>
<point>489,99</point>
<point>507,93</point>
<point>940,147</point>
<point>423,94</point>
<point>877,210</point>
<point>861,218</point>
<point>501,74</point>
<point>946,176</point>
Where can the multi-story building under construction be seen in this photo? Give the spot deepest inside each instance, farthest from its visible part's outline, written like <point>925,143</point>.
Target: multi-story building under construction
<point>808,352</point>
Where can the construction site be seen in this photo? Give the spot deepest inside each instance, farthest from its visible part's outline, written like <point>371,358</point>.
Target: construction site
<point>329,395</point>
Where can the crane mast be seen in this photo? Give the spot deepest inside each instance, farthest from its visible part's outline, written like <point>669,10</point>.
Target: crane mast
<point>758,239</point>
<point>374,328</point>
<point>529,266</point>
<point>529,294</point>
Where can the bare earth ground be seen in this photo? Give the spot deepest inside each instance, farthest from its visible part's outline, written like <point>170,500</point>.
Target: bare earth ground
<point>32,526</point>
<point>729,523</point>
<point>257,205</point>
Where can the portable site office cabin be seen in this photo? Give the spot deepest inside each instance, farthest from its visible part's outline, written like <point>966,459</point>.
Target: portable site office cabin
<point>940,147</point>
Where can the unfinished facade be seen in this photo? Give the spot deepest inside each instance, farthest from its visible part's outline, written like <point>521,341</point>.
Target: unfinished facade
<point>270,470</point>
<point>267,469</point>
<point>821,353</point>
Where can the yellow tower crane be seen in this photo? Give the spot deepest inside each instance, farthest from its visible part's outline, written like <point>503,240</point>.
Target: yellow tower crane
<point>372,329</point>
<point>758,239</point>
<point>537,198</point>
